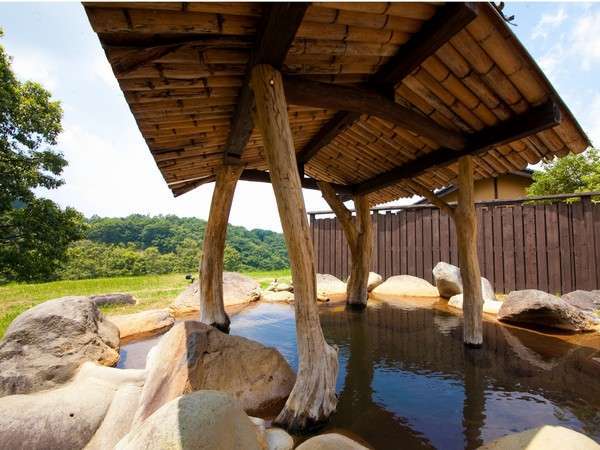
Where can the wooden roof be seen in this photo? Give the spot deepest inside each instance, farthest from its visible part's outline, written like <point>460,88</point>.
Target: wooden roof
<point>378,92</point>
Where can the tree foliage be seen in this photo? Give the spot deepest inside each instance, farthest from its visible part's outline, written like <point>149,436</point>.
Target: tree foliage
<point>34,232</point>
<point>567,175</point>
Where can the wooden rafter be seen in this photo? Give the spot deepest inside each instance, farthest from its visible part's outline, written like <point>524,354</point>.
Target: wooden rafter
<point>259,176</point>
<point>304,92</point>
<point>533,121</point>
<point>448,21</point>
<point>279,28</point>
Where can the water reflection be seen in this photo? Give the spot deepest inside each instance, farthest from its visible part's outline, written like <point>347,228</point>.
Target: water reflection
<point>406,381</point>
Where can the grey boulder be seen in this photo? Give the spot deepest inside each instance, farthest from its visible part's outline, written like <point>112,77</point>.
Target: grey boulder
<point>238,289</point>
<point>113,299</point>
<point>449,282</point>
<point>533,307</point>
<point>45,345</point>
<point>584,300</point>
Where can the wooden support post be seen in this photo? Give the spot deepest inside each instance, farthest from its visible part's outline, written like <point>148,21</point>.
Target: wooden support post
<point>466,233</point>
<point>212,308</point>
<point>359,234</point>
<point>313,397</point>
<point>465,219</point>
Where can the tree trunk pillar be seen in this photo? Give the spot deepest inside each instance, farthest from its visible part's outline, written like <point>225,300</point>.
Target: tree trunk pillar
<point>361,251</point>
<point>212,308</point>
<point>313,397</point>
<point>466,232</point>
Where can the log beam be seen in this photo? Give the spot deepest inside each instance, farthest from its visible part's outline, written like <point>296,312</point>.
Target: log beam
<point>359,234</point>
<point>465,220</point>
<point>313,398</point>
<point>533,121</point>
<point>212,308</point>
<point>449,20</point>
<point>277,33</point>
<point>305,92</point>
<point>182,187</point>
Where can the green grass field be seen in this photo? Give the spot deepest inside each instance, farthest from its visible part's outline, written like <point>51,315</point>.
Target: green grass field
<point>151,291</point>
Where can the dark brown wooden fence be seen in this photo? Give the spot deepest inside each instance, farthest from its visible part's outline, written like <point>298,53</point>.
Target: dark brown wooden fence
<point>553,246</point>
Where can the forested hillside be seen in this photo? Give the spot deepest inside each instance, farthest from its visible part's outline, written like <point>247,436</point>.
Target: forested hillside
<point>140,244</point>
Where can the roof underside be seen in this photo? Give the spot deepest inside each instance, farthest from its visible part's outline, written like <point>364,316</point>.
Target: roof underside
<point>182,67</point>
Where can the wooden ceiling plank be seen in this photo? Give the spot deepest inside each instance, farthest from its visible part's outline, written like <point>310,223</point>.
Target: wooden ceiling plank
<point>531,122</point>
<point>449,20</point>
<point>274,40</point>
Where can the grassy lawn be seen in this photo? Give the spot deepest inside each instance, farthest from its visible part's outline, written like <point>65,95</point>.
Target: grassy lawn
<point>151,291</point>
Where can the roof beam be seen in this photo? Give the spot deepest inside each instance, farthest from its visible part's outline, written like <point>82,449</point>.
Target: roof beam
<point>180,188</point>
<point>533,121</point>
<point>449,20</point>
<point>364,101</point>
<point>280,25</point>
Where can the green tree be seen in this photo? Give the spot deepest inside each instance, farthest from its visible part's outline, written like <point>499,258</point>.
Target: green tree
<point>34,233</point>
<point>568,175</point>
<point>232,260</point>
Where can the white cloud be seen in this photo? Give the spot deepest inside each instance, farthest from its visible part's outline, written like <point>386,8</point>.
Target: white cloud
<point>31,65</point>
<point>585,38</point>
<point>102,70</point>
<point>547,22</point>
<point>592,120</point>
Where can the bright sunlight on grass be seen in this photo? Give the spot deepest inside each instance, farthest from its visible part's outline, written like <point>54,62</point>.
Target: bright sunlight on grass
<point>151,291</point>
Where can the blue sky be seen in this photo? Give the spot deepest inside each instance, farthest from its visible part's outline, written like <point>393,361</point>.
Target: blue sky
<point>111,172</point>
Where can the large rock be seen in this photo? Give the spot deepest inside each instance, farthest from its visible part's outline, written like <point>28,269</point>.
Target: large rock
<point>277,296</point>
<point>45,345</point>
<point>533,307</point>
<point>278,439</point>
<point>331,441</point>
<point>449,282</point>
<point>330,288</point>
<point>238,289</point>
<point>113,299</point>
<point>73,414</point>
<point>546,437</point>
<point>584,300</point>
<point>489,306</point>
<point>193,356</point>
<point>373,281</point>
<point>143,323</point>
<point>203,420</point>
<point>404,286</point>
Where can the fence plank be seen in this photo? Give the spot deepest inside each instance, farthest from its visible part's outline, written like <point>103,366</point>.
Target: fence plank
<point>553,249</point>
<point>403,245</point>
<point>444,238</point>
<point>531,272</point>
<point>427,260</point>
<point>411,268</point>
<point>388,244</point>
<point>596,221</point>
<point>395,244</point>
<point>566,248</point>
<point>508,249</point>
<point>542,253</point>
<point>589,238</point>
<point>580,246</point>
<point>489,272</point>
<point>374,259</point>
<point>497,238</point>
<point>435,236</point>
<point>519,247</point>
<point>419,243</point>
